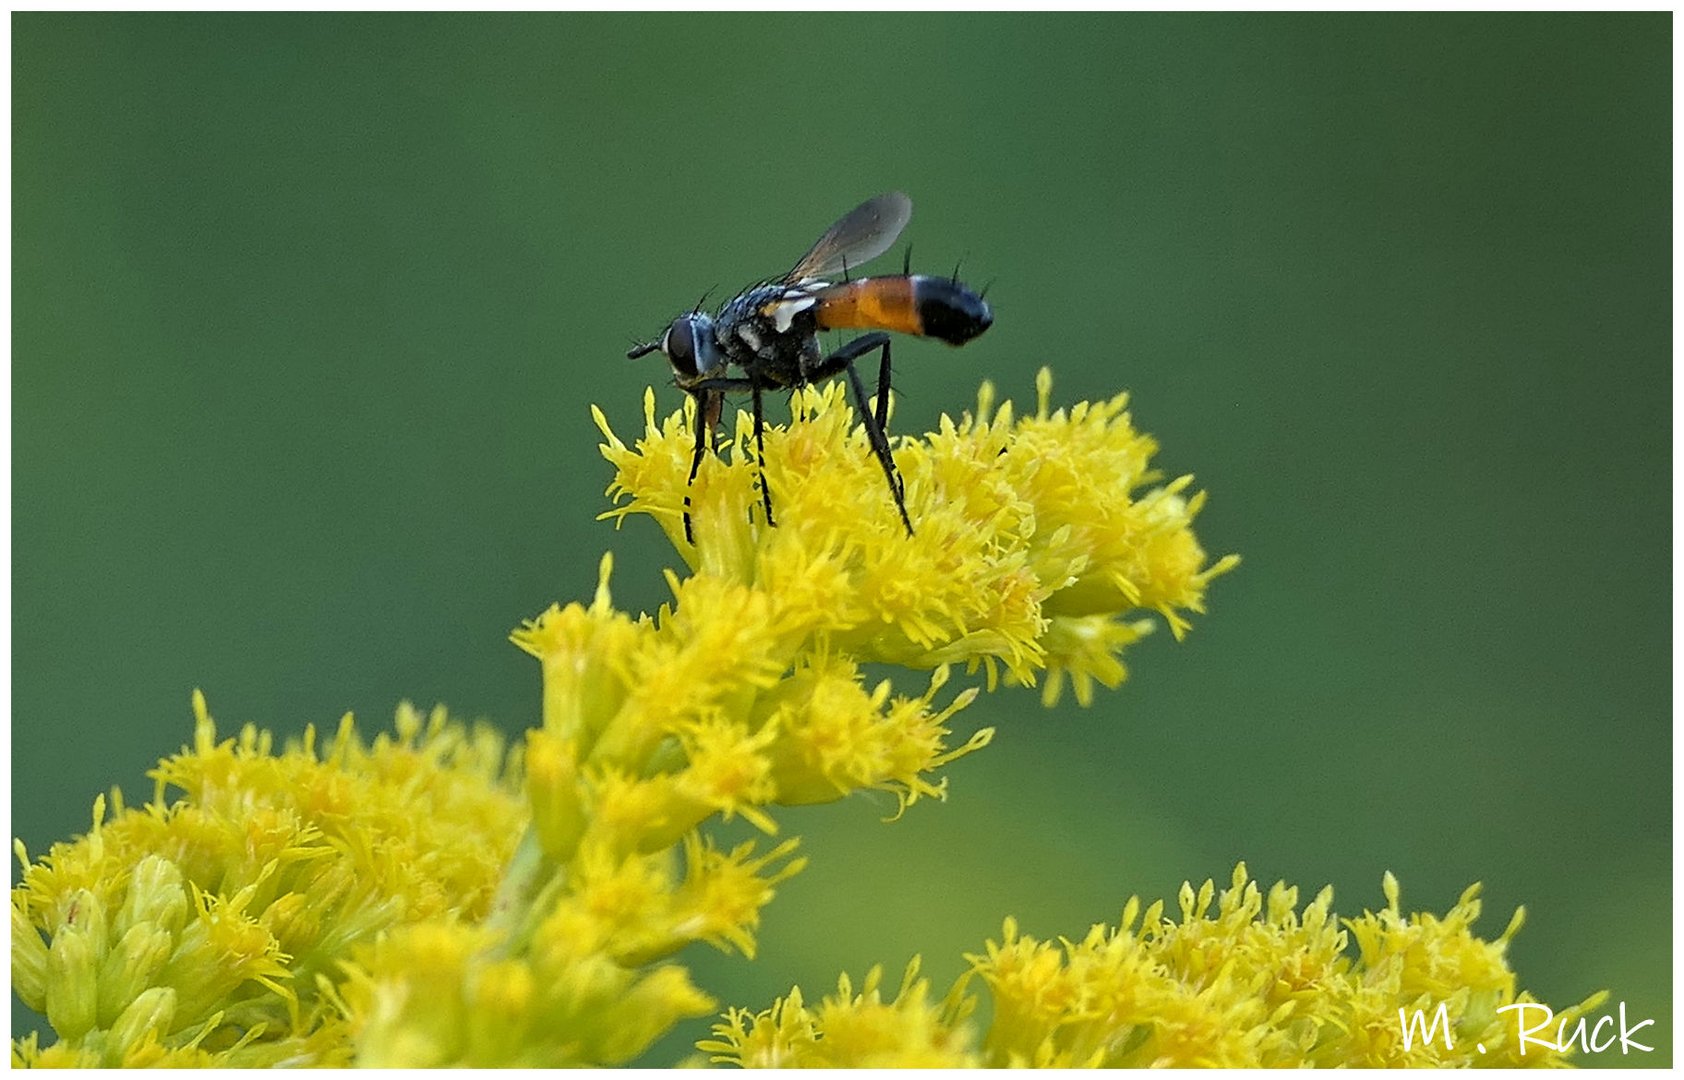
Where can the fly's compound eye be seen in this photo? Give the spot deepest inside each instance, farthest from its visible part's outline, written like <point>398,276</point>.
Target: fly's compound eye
<point>690,345</point>
<point>679,344</point>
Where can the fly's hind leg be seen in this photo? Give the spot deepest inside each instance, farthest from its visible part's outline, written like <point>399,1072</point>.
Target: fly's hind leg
<point>876,420</point>
<point>883,425</point>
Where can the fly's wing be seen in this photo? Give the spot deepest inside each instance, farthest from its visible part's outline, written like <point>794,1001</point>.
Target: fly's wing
<point>866,232</point>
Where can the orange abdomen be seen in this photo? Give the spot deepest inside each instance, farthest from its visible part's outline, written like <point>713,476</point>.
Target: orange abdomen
<point>906,304</point>
<point>884,303</point>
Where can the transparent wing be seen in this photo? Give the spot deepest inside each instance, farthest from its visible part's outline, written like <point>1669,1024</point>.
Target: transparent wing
<point>865,232</point>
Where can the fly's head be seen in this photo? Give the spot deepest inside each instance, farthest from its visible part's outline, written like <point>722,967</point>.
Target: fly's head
<point>689,346</point>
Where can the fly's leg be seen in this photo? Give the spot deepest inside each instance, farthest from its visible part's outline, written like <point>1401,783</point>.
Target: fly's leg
<point>883,418</point>
<point>710,399</point>
<point>695,464</point>
<point>760,455</point>
<point>876,420</point>
<point>708,405</point>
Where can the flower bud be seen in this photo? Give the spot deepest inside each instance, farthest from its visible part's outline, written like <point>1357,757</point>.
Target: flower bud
<point>72,985</point>
<point>129,969</point>
<point>29,961</point>
<point>151,1011</point>
<point>155,896</point>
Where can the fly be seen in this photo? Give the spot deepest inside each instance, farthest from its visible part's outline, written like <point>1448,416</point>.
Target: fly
<point>768,333</point>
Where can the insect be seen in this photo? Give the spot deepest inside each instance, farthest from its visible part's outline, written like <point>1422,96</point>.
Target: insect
<point>768,333</point>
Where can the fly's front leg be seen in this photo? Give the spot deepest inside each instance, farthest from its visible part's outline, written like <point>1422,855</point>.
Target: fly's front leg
<point>876,421</point>
<point>713,391</point>
<point>760,455</point>
<point>708,405</point>
<point>715,407</point>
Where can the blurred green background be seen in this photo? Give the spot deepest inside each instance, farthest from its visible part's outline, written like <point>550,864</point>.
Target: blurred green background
<point>309,312</point>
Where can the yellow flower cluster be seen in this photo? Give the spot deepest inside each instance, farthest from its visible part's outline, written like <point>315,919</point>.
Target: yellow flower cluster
<point>1253,983</point>
<point>202,930</point>
<point>434,899</point>
<point>1036,538</point>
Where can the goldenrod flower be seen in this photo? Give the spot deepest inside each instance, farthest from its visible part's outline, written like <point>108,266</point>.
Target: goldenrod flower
<point>1035,537</point>
<point>849,1030</point>
<point>431,898</point>
<point>198,930</point>
<point>1256,982</point>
